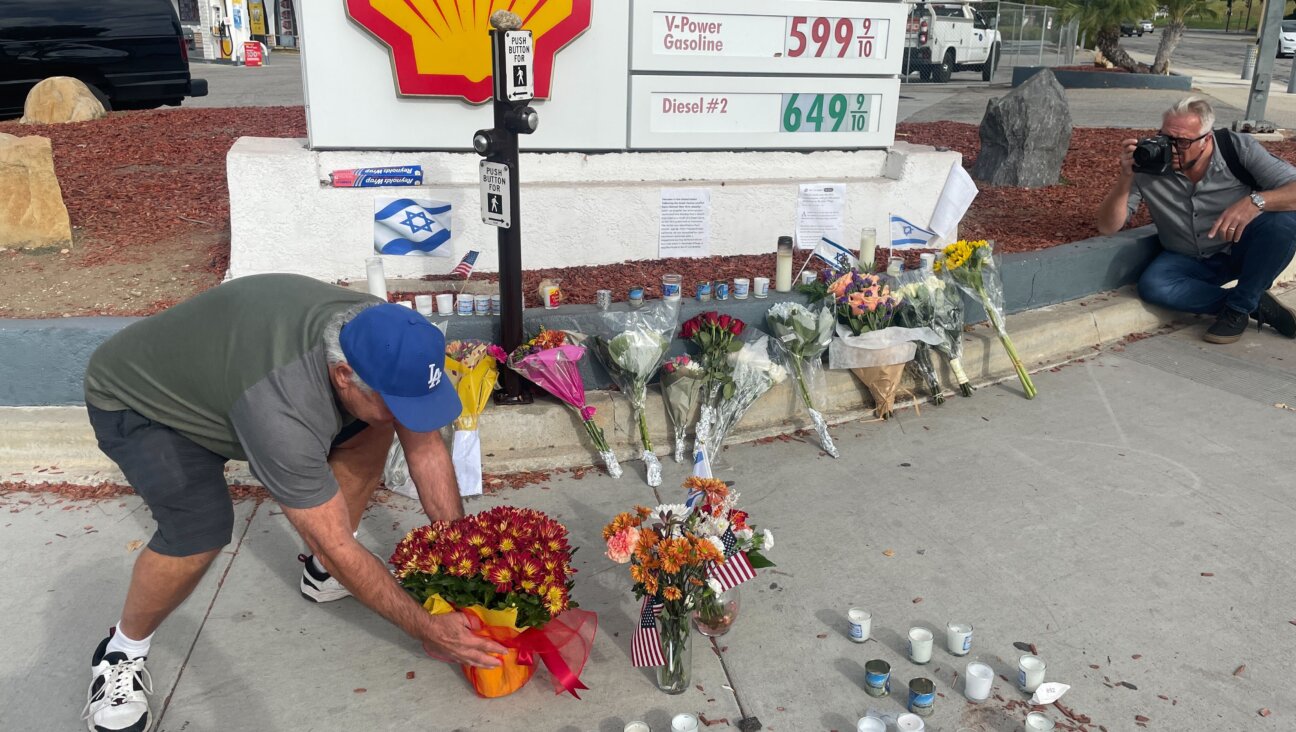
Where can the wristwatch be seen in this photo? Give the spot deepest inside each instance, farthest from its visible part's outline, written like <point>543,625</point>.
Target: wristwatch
<point>1258,200</point>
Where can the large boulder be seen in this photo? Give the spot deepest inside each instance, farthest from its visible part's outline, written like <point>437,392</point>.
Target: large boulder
<point>61,99</point>
<point>1025,135</point>
<point>32,214</point>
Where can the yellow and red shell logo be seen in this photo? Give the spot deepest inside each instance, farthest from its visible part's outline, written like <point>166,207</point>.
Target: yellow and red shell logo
<point>442,48</point>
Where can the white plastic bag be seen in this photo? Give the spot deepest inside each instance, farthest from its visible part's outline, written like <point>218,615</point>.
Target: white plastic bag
<point>396,475</point>
<point>467,462</point>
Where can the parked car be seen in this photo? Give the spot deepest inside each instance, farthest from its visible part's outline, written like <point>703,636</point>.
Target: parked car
<point>1287,39</point>
<point>1130,28</point>
<point>131,53</point>
<point>942,38</point>
<point>1146,26</point>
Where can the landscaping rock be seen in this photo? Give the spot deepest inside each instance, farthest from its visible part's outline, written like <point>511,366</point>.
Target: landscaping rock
<point>61,99</point>
<point>1025,135</point>
<point>32,214</point>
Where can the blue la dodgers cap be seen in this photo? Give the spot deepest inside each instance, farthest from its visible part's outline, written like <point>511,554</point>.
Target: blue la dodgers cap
<point>401,355</point>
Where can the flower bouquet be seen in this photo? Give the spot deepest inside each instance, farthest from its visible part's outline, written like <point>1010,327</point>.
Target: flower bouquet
<point>473,371</point>
<point>920,291</point>
<point>632,357</point>
<point>716,335</point>
<point>801,336</point>
<point>874,349</point>
<point>743,548</point>
<point>681,384</point>
<point>971,265</point>
<point>552,363</point>
<point>669,563</point>
<point>753,374</point>
<point>948,324</point>
<point>509,570</point>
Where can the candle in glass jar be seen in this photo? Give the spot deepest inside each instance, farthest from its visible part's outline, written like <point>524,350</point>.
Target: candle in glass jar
<point>783,265</point>
<point>868,248</point>
<point>377,281</point>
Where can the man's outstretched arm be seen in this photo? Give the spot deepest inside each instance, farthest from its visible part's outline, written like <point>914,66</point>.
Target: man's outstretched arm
<point>325,528</point>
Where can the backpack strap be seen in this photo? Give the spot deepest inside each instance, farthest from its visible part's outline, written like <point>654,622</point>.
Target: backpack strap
<point>1228,150</point>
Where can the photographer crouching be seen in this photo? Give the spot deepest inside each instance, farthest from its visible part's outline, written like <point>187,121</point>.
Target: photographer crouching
<point>1224,209</point>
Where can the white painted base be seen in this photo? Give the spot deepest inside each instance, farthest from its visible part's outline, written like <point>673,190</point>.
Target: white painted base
<point>577,209</point>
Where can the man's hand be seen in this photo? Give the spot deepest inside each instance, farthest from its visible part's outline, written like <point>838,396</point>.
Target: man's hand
<point>450,638</point>
<point>1230,225</point>
<point>1127,157</point>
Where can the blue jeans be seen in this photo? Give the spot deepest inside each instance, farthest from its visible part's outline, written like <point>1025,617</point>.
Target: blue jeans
<point>1192,285</point>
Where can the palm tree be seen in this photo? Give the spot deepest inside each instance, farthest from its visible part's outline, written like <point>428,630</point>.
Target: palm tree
<point>1179,11</point>
<point>1101,19</point>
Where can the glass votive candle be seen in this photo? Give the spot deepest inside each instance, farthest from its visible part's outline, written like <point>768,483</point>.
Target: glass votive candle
<point>1030,673</point>
<point>741,288</point>
<point>958,638</point>
<point>1038,722</point>
<point>861,624</point>
<point>670,285</point>
<point>977,680</point>
<point>445,304</point>
<point>870,724</point>
<point>920,645</point>
<point>910,723</point>
<point>760,288</point>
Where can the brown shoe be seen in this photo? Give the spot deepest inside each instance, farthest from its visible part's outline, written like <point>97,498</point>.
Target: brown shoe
<point>1227,328</point>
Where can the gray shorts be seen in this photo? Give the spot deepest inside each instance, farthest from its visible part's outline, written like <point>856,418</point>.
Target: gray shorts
<point>182,482</point>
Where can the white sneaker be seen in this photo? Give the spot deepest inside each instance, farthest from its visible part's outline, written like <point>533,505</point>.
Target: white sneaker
<point>118,697</point>
<point>319,586</point>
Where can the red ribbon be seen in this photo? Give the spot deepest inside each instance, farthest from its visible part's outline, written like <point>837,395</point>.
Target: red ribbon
<point>563,644</point>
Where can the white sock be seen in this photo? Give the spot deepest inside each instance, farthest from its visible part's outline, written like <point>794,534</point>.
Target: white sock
<point>315,562</point>
<point>131,647</point>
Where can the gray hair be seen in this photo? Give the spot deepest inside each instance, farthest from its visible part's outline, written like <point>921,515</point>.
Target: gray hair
<point>1197,107</point>
<point>333,353</point>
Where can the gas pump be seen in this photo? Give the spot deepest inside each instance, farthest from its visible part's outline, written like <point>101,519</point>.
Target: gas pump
<point>511,62</point>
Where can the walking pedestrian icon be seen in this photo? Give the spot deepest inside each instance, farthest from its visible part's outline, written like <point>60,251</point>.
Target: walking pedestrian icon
<point>496,202</point>
<point>520,76</point>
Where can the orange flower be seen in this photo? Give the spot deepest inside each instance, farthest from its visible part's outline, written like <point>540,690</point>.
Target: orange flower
<point>643,511</point>
<point>715,490</point>
<point>620,523</point>
<point>838,287</point>
<point>650,585</point>
<point>696,582</point>
<point>672,593</point>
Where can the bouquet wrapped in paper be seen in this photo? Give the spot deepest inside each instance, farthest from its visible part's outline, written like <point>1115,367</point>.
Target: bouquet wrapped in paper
<point>874,349</point>
<point>920,291</point>
<point>632,346</point>
<point>800,336</point>
<point>681,384</point>
<point>972,267</point>
<point>753,374</point>
<point>509,570</point>
<point>552,363</point>
<point>474,372</point>
<point>947,322</point>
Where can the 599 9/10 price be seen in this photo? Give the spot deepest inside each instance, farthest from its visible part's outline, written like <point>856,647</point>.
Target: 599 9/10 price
<point>826,112</point>
<point>809,37</point>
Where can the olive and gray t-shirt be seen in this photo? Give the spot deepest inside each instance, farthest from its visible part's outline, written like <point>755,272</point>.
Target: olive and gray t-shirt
<point>239,369</point>
<point>1184,212</point>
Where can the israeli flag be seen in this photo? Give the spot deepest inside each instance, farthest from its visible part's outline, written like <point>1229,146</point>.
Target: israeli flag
<point>411,226</point>
<point>908,235</point>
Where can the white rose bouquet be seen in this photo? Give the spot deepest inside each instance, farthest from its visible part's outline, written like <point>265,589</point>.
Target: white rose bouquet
<point>800,337</point>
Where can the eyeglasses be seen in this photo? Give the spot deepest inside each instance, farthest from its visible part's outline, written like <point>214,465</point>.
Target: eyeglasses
<point>1183,143</point>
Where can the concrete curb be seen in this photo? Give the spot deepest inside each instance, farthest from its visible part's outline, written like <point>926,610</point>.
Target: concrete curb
<point>547,435</point>
<point>1105,80</point>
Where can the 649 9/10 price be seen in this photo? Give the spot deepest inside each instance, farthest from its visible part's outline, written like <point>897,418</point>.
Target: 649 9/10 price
<point>825,113</point>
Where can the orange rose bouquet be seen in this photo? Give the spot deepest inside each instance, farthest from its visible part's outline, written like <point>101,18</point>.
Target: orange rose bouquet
<point>509,569</point>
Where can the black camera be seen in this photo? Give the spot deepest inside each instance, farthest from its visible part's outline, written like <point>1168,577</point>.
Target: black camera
<point>1154,156</point>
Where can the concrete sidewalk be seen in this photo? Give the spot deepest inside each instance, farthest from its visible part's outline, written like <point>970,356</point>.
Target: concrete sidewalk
<point>1132,521</point>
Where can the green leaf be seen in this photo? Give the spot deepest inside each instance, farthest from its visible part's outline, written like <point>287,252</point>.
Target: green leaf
<point>758,560</point>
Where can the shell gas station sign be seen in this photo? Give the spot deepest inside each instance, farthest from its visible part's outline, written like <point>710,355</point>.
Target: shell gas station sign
<point>438,47</point>
<point>698,74</point>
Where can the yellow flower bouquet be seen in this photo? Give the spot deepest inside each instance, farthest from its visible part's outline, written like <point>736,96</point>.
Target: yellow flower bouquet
<point>474,372</point>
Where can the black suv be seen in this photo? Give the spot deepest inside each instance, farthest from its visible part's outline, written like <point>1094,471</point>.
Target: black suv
<point>131,53</point>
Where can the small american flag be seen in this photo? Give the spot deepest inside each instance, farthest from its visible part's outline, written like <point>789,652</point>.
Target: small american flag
<point>465,266</point>
<point>645,647</point>
<point>736,568</point>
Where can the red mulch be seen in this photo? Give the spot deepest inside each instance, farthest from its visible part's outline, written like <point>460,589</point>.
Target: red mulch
<point>138,179</point>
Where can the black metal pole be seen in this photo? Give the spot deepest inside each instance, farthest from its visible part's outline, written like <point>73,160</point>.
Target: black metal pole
<point>505,151</point>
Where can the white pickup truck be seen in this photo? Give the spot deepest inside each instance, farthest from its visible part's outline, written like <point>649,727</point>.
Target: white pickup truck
<point>941,38</point>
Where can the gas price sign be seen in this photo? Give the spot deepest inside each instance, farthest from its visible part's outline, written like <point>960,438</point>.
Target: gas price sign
<point>670,112</point>
<point>830,37</point>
